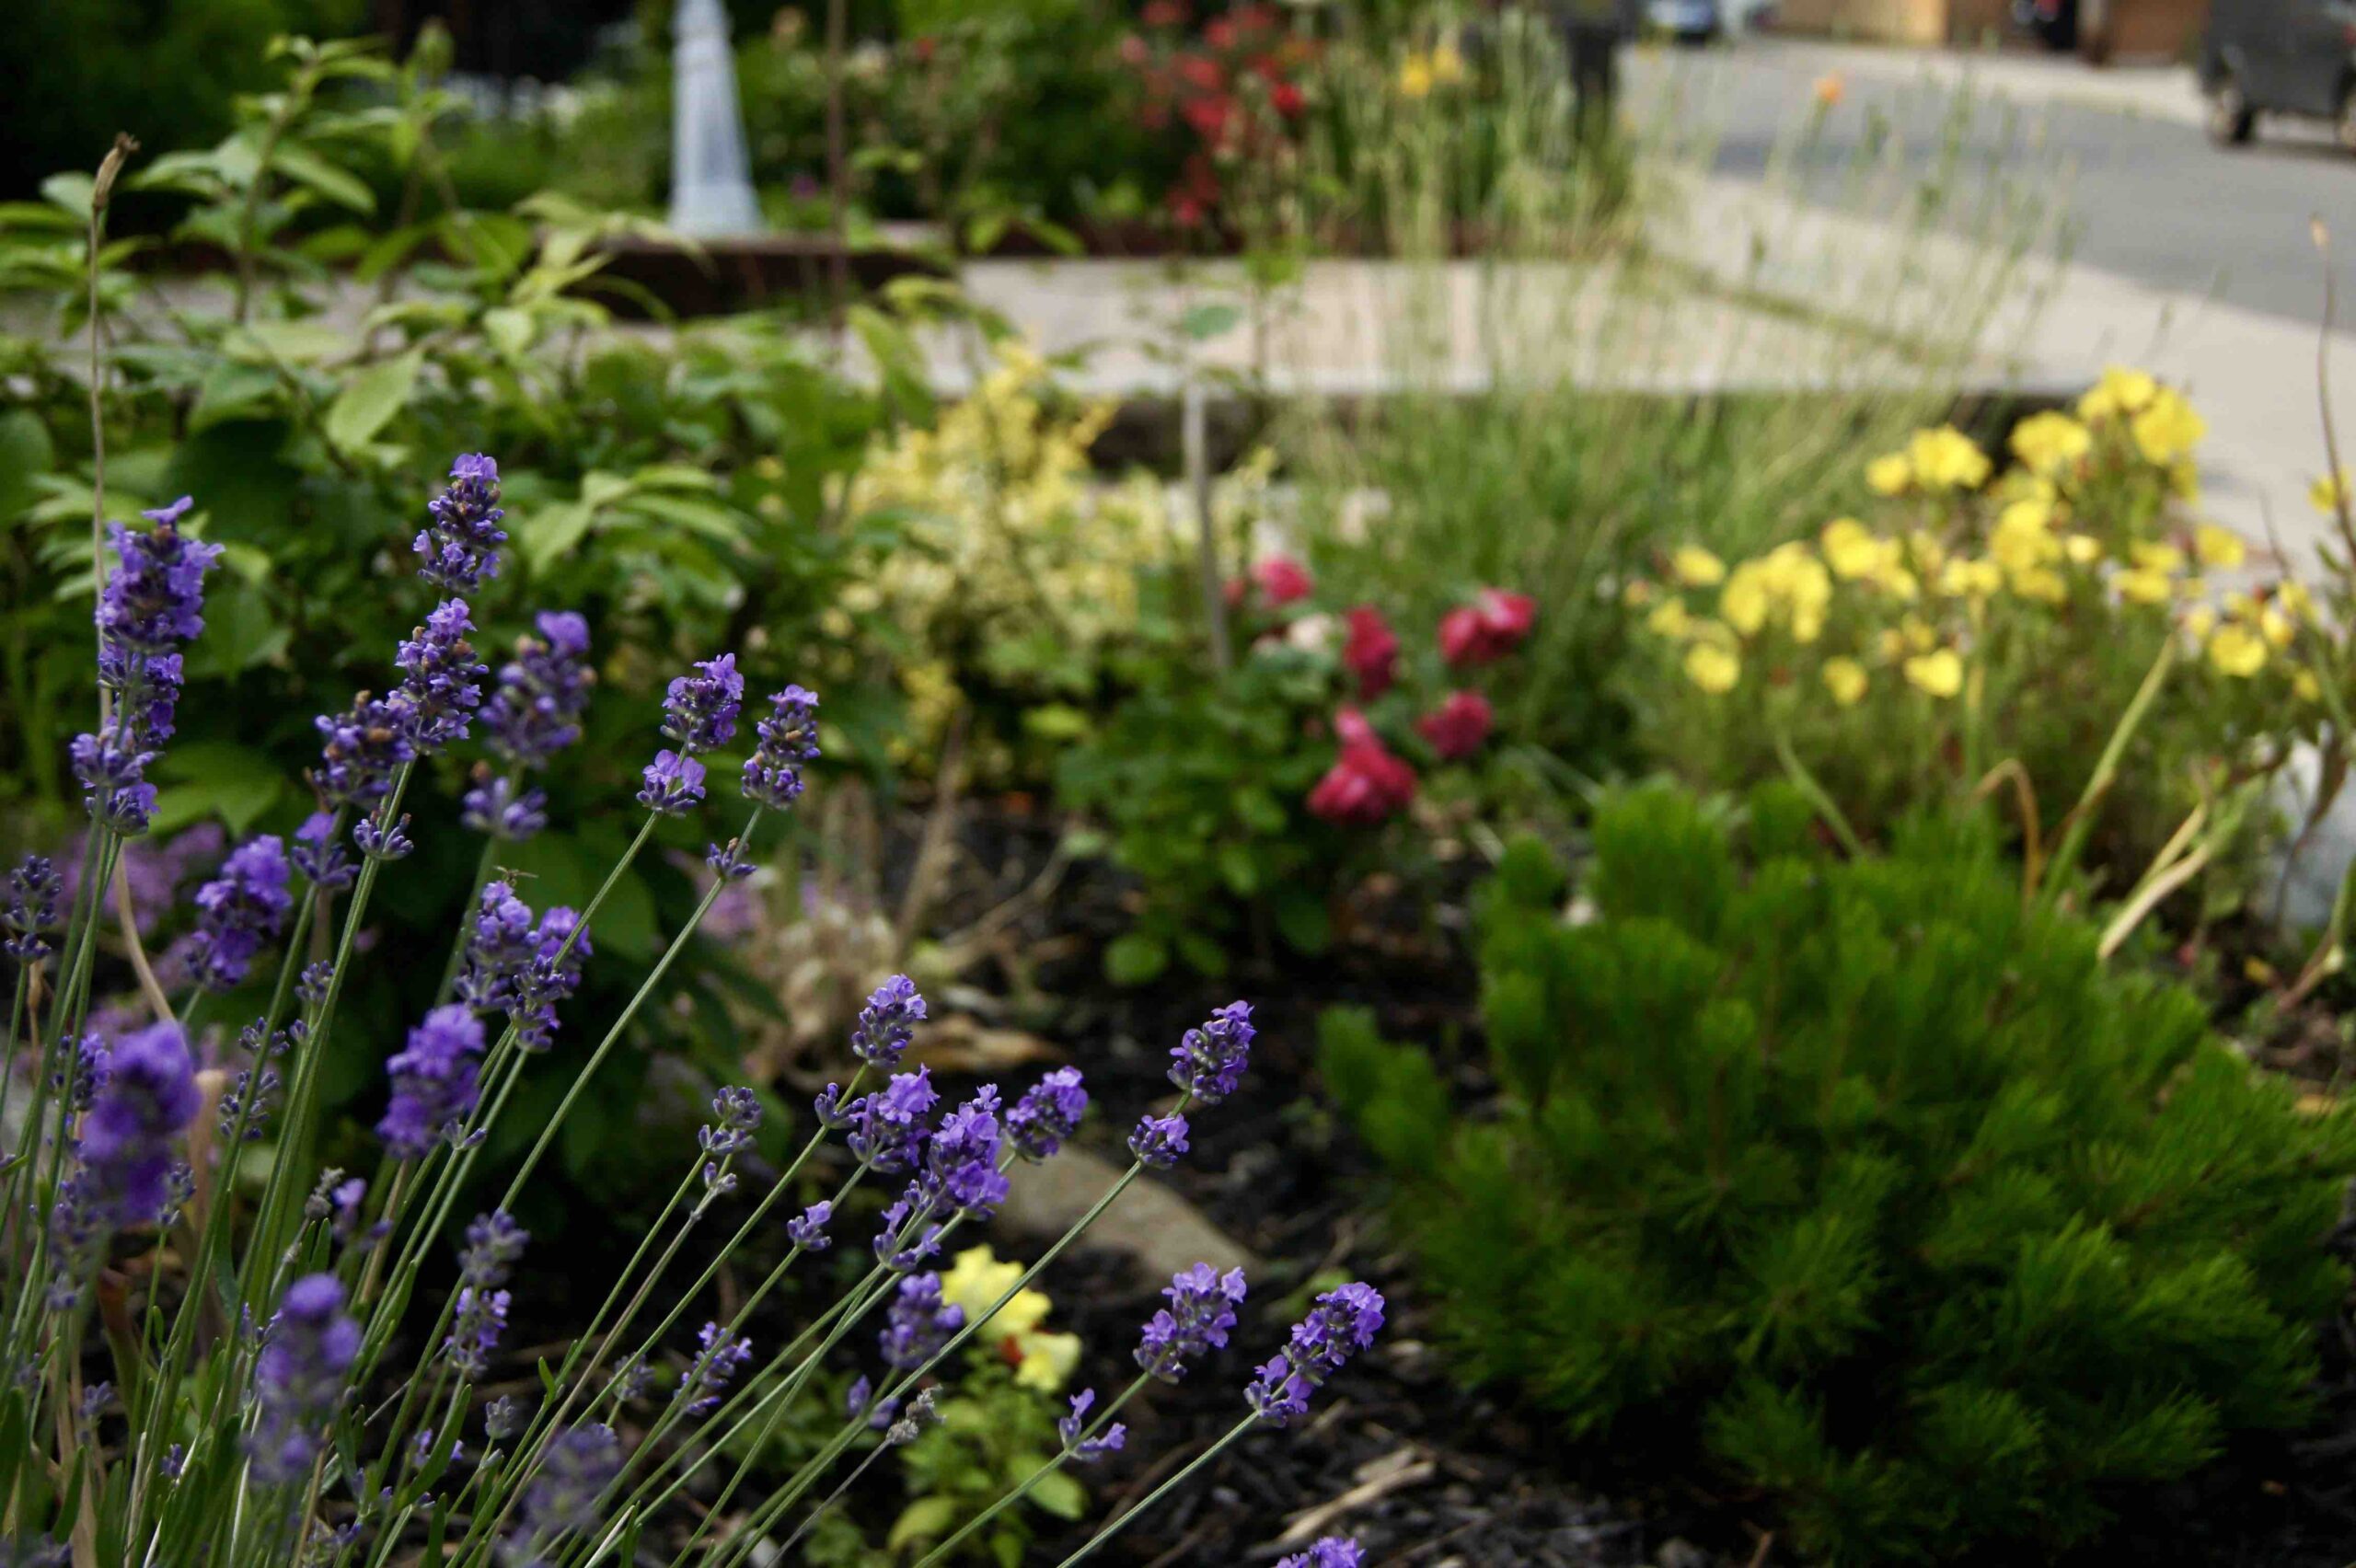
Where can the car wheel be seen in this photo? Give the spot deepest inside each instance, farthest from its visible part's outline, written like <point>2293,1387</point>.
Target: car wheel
<point>2231,118</point>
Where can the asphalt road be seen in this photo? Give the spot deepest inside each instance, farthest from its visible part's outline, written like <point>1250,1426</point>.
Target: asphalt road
<point>2146,198</point>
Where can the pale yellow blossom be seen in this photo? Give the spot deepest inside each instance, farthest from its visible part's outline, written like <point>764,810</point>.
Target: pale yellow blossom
<point>1845,679</point>
<point>1938,672</point>
<point>1712,668</point>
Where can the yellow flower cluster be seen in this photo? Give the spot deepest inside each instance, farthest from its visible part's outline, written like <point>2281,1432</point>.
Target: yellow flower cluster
<point>1041,1360</point>
<point>1421,70</point>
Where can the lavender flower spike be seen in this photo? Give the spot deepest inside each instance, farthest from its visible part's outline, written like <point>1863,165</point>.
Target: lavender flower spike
<point>155,597</point>
<point>1208,1063</point>
<point>361,750</point>
<point>240,912</point>
<point>460,542</point>
<point>1343,1322</point>
<point>789,735</point>
<point>1048,1115</point>
<point>439,690</point>
<point>148,1097</point>
<point>699,712</point>
<point>1159,1140</point>
<point>807,1230</point>
<point>1088,1451</point>
<point>34,892</point>
<point>887,1023</point>
<point>1329,1551</point>
<point>702,1383</point>
<point>434,1081</point>
<point>543,691</point>
<point>299,1378</point>
<point>921,1323</point>
<point>674,783</point>
<point>574,1473</point>
<point>1200,1314</point>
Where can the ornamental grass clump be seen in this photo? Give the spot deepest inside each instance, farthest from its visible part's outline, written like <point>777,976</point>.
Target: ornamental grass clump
<point>237,1363</point>
<point>1861,1178</point>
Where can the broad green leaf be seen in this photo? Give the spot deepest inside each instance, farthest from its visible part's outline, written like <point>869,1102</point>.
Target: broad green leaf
<point>927,1518</point>
<point>1059,1494</point>
<point>370,399</point>
<point>295,342</point>
<point>546,534</point>
<point>305,168</point>
<point>509,330</point>
<point>1136,958</point>
<point>25,452</point>
<point>201,779</point>
<point>1207,321</point>
<point>71,192</point>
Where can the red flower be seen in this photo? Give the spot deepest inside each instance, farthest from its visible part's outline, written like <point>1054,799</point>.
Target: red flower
<point>1133,50</point>
<point>1286,98</point>
<point>925,46</point>
<point>1207,115</point>
<point>1367,785</point>
<point>1488,629</point>
<point>1165,13</point>
<point>1462,723</point>
<point>1220,33</point>
<point>1372,652</point>
<point>1282,581</point>
<point>1202,70</point>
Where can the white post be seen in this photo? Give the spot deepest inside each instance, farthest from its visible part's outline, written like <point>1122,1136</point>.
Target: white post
<point>711,191</point>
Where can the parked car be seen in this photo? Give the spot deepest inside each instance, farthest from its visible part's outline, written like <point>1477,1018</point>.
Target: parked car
<point>2053,23</point>
<point>2294,57</point>
<point>1688,21</point>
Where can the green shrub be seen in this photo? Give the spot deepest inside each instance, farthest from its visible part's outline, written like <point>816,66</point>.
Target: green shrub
<point>1925,1225</point>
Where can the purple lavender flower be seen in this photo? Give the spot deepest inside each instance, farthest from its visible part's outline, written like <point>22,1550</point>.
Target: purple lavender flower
<point>832,1114</point>
<point>390,842</point>
<point>434,1081</point>
<point>503,1418</point>
<point>906,1240</point>
<point>1088,1451</point>
<point>788,738</point>
<point>674,783</point>
<point>320,856</point>
<point>888,1129</point>
<point>887,1023</point>
<point>476,1321</point>
<point>501,809</point>
<point>494,1243</point>
<point>460,542</point>
<point>543,691</point>
<point>703,1382</point>
<point>699,712</point>
<point>960,1157</point>
<point>735,1116</point>
<point>919,1323</point>
<point>1159,1140</point>
<point>575,1471</point>
<point>361,749</point>
<point>299,1378</point>
<point>440,686</point>
<point>1208,1063</point>
<point>240,912</point>
<point>1200,1314</point>
<point>1330,1552</point>
<point>1048,1115</point>
<point>34,890</point>
<point>155,597</point>
<point>501,945</point>
<point>808,1229</point>
<point>1343,1323</point>
<point>147,1097</point>
<point>561,947</point>
<point>111,765</point>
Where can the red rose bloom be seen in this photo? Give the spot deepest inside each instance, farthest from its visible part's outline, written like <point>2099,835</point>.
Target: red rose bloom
<point>1201,70</point>
<point>1372,652</point>
<point>1286,98</point>
<point>1367,785</point>
<point>1281,580</point>
<point>1462,723</point>
<point>1488,629</point>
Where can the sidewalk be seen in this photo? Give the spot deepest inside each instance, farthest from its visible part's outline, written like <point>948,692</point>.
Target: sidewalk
<point>2153,92</point>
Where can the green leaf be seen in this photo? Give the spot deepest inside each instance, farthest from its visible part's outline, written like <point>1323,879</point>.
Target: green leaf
<point>546,534</point>
<point>240,631</point>
<point>25,451</point>
<point>1059,1494</point>
<point>370,399</point>
<point>71,190</point>
<point>1207,321</point>
<point>1302,919</point>
<point>307,167</point>
<point>295,342</point>
<point>201,779</point>
<point>1239,868</point>
<point>1135,959</point>
<point>927,1518</point>
<point>510,330</point>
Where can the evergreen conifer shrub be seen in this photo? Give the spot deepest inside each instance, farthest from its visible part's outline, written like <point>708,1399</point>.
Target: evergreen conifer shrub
<point>1920,1222</point>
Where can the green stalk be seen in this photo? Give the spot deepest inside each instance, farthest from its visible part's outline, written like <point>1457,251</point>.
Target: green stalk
<point>982,1519</point>
<point>1159,1492</point>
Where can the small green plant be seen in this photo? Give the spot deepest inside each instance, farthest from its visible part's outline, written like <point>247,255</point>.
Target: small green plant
<point>1867,1176</point>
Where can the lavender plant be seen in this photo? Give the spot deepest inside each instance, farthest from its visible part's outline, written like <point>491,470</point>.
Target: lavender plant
<point>201,1372</point>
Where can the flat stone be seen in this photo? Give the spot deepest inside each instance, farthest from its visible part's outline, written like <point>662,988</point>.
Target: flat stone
<point>1161,1231</point>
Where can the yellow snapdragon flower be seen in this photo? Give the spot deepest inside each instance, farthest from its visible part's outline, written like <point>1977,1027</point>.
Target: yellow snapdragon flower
<point>1041,1360</point>
<point>2050,442</point>
<point>1697,568</point>
<point>1938,672</point>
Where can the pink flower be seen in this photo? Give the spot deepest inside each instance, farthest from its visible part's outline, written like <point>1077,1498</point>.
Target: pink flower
<point>1488,629</point>
<point>1368,783</point>
<point>1372,652</point>
<point>1282,581</point>
<point>1462,723</point>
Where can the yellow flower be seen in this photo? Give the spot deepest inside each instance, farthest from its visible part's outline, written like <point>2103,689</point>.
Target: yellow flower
<point>2041,583</point>
<point>2306,687</point>
<point>2119,392</point>
<point>2050,442</point>
<point>1637,594</point>
<point>2084,549</point>
<point>1946,458</point>
<point>2295,599</point>
<point>1939,673</point>
<point>1919,635</point>
<point>1447,65</point>
<point>1669,620</point>
<point>2200,620</point>
<point>1712,668</point>
<point>2218,546</point>
<point>1041,1360</point>
<point>1971,578</point>
<point>2275,626</point>
<point>2167,430</point>
<point>1415,75</point>
<point>2326,494</point>
<point>1845,679</point>
<point>1697,568</point>
<point>1743,602</point>
<point>2165,559</point>
<point>2142,587</point>
<point>1850,548</point>
<point>1829,89</point>
<point>1889,474</point>
<point>2237,651</point>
